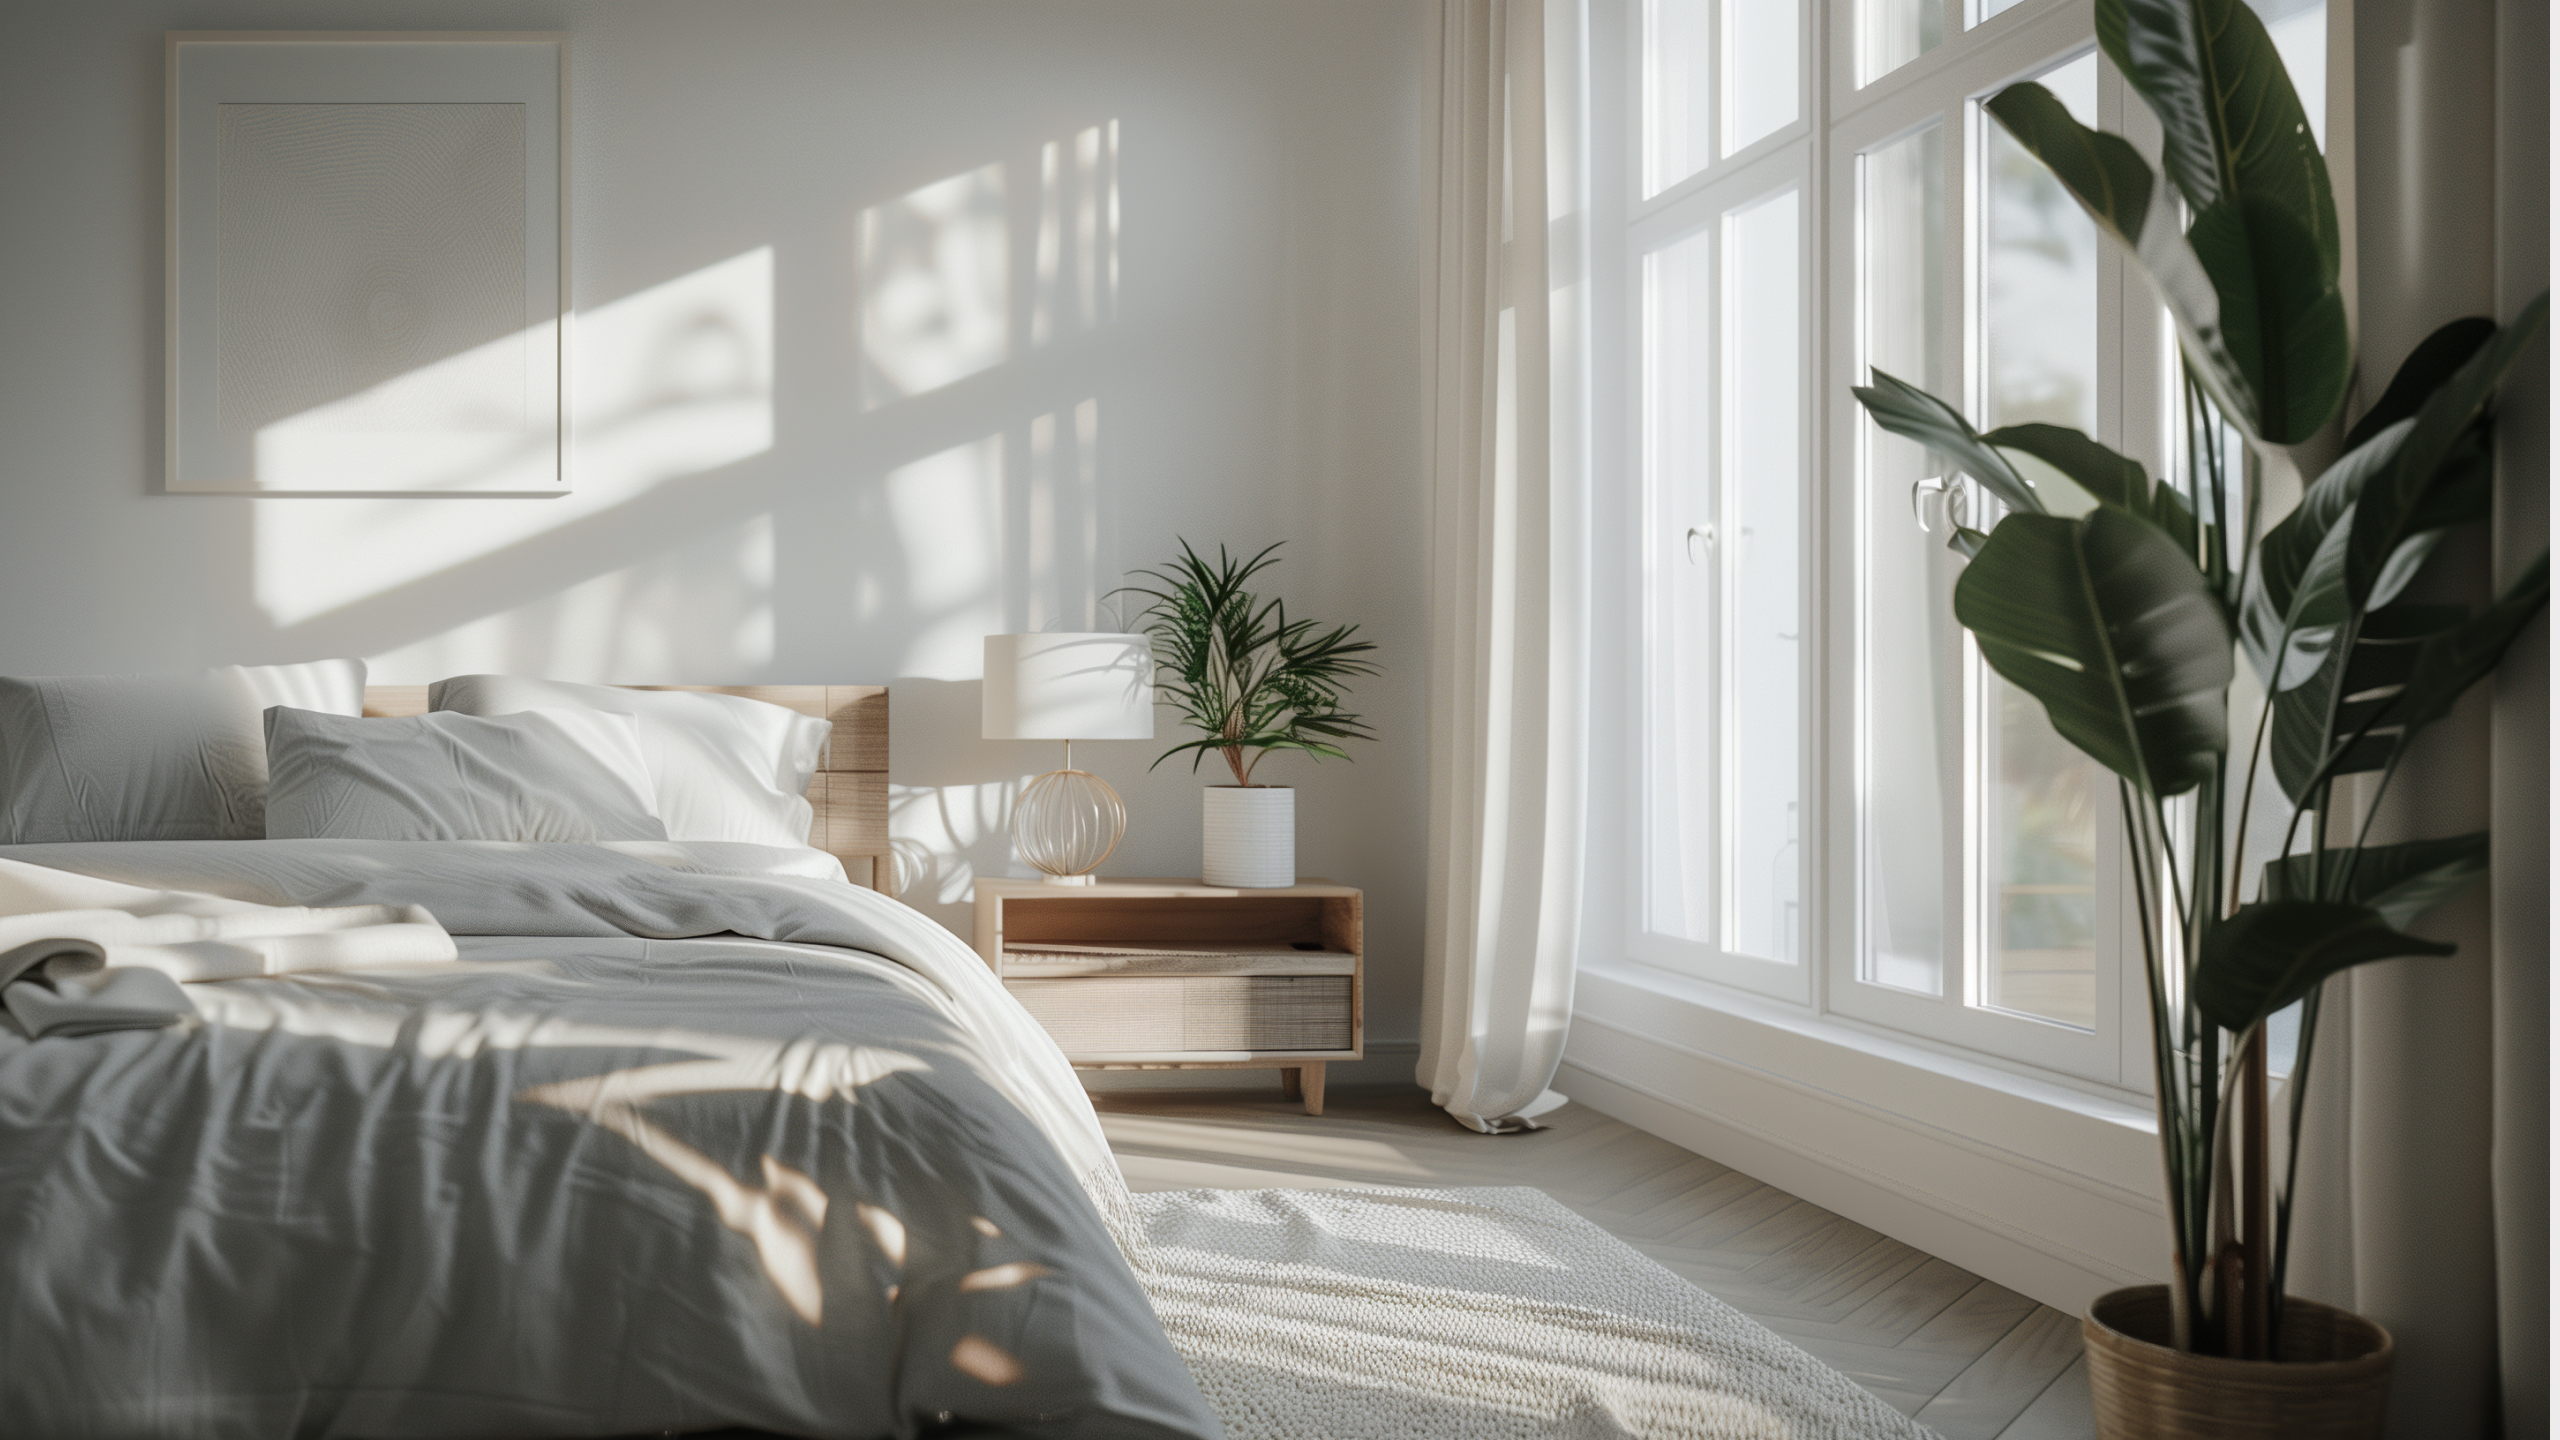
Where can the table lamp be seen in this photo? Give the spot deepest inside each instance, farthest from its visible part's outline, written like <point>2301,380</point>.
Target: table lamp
<point>1069,687</point>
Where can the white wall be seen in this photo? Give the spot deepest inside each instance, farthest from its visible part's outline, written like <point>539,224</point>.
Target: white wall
<point>804,454</point>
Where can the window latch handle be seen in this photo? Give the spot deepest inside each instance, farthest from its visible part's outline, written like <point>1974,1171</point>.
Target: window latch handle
<point>1699,538</point>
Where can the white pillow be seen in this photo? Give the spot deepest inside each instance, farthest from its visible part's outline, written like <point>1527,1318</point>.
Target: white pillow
<point>725,767</point>
<point>149,757</point>
<point>545,775</point>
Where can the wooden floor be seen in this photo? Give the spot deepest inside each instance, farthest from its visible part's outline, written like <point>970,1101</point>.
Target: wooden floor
<point>1971,1360</point>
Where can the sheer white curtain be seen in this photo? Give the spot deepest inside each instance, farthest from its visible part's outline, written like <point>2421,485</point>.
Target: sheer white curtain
<point>1506,665</point>
<point>2426,1153</point>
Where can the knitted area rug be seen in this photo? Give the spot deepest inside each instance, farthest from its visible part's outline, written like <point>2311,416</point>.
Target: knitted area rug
<point>1466,1314</point>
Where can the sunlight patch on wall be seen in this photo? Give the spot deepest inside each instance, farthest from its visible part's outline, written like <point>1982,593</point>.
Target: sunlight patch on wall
<point>669,382</point>
<point>1061,508</point>
<point>930,285</point>
<point>1076,257</point>
<point>948,513</point>
<point>465,423</point>
<point>702,608</point>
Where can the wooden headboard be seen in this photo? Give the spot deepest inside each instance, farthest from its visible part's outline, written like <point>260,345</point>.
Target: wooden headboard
<point>850,792</point>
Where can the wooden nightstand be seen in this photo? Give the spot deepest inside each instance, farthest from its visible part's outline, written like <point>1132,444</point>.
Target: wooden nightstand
<point>1174,974</point>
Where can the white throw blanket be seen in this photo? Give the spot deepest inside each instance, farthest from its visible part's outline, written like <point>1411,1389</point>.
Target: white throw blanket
<point>79,955</point>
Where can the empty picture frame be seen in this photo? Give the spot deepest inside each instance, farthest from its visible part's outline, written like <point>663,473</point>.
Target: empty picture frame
<point>367,236</point>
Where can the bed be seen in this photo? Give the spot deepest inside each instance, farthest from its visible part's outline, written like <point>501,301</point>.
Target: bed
<point>686,1135</point>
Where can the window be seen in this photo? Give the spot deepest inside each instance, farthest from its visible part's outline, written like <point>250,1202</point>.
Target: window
<point>1718,263</point>
<point>1981,836</point>
<point>1833,800</point>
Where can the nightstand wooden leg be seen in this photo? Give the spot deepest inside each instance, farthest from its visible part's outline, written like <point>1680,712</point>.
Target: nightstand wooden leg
<point>1288,1082</point>
<point>1311,1078</point>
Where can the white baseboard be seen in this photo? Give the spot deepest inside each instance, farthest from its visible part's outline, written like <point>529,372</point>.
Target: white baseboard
<point>1384,1062</point>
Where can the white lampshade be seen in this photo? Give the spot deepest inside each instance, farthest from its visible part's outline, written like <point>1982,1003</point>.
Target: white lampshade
<point>1069,687</point>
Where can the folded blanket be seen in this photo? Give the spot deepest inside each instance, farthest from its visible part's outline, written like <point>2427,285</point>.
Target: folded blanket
<point>80,955</point>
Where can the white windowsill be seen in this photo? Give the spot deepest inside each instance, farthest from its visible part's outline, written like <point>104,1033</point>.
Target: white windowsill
<point>2050,1187</point>
<point>2037,1120</point>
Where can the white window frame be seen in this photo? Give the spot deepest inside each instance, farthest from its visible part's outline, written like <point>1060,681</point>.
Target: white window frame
<point>1632,227</point>
<point>1946,83</point>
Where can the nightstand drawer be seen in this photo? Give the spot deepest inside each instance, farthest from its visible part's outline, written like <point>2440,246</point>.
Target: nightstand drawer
<point>1105,1014</point>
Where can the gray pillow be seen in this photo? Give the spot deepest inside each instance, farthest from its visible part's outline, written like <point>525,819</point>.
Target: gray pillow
<point>539,775</point>
<point>149,757</point>
<point>725,767</point>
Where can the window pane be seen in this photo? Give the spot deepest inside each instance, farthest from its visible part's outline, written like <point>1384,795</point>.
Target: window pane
<point>1893,33</point>
<point>2300,30</point>
<point>2040,327</point>
<point>1678,91</point>
<point>1914,700</point>
<point>1760,69</point>
<point>1680,714</point>
<point>1763,488</point>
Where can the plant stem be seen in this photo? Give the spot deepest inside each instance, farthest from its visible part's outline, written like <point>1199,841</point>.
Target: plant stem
<point>2296,1084</point>
<point>2252,1320</point>
<point>2372,808</point>
<point>2248,795</point>
<point>2165,1086</point>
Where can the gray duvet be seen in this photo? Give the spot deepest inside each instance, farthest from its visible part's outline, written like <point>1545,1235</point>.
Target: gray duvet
<point>662,1151</point>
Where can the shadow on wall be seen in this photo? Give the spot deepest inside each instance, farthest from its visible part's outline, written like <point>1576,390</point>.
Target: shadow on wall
<point>951,794</point>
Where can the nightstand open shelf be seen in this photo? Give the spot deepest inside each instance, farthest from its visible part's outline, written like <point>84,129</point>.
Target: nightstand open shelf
<point>1174,974</point>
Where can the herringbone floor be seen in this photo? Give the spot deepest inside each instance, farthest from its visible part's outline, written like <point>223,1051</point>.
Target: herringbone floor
<point>1970,1359</point>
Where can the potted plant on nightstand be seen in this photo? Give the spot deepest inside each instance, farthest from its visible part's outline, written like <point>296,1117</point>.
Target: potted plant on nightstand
<point>2123,618</point>
<point>1251,681</point>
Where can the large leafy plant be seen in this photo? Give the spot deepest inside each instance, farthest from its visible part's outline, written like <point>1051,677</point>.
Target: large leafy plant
<point>1246,676</point>
<point>2125,621</point>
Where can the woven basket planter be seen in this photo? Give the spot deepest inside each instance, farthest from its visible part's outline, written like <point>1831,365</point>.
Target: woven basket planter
<point>2331,1383</point>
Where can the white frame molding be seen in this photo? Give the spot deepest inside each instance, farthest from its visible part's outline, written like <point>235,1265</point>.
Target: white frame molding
<point>525,68</point>
<point>1627,228</point>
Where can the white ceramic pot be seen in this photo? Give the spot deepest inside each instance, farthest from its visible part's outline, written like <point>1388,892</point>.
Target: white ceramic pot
<point>1249,836</point>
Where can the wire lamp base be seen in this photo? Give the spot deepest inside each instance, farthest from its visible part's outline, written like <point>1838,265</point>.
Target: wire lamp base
<point>1067,823</point>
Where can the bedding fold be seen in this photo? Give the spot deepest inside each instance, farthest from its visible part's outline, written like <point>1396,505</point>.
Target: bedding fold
<point>81,955</point>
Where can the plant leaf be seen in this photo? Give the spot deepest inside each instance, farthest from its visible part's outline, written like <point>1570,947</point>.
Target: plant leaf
<point>2408,667</point>
<point>2105,174</point>
<point>2231,122</point>
<point>2236,144</point>
<point>2397,882</point>
<point>1966,542</point>
<point>2286,554</point>
<point>2391,501</point>
<point>2297,581</point>
<point>2314,731</point>
<point>2454,661</point>
<point>2108,624</point>
<point>2460,494</point>
<point>1907,410</point>
<point>2371,446</point>
<point>2427,368</point>
<point>2110,478</point>
<point>2269,954</point>
<point>2283,323</point>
